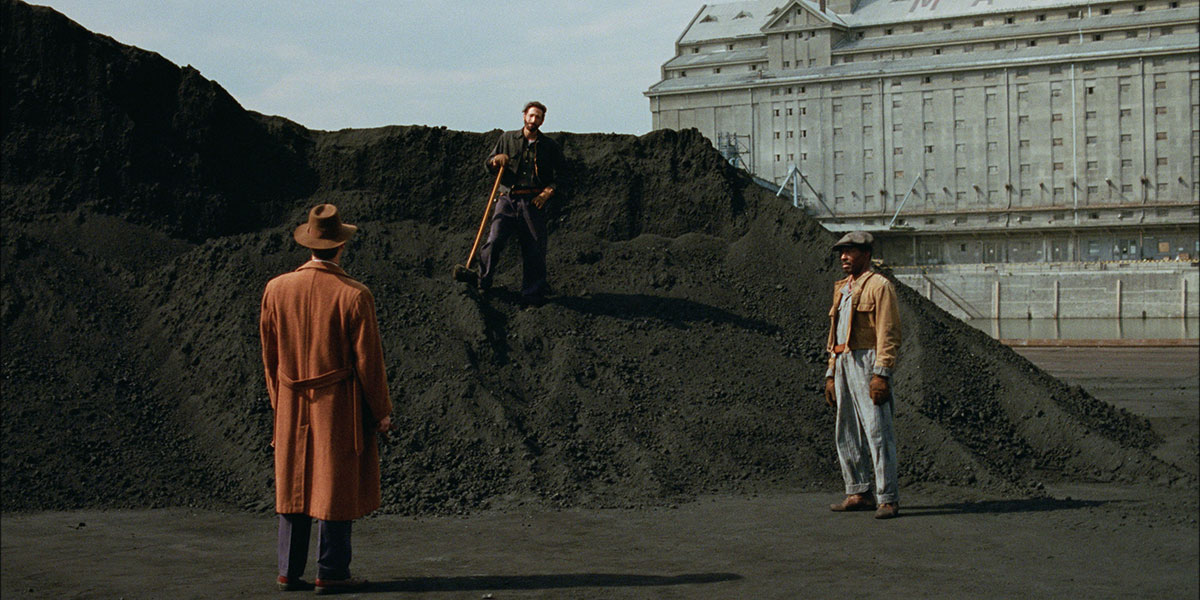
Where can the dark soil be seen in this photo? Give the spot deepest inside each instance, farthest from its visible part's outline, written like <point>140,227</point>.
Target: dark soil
<point>144,211</point>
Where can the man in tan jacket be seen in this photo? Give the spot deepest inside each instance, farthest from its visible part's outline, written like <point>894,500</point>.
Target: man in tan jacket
<point>325,375</point>
<point>864,338</point>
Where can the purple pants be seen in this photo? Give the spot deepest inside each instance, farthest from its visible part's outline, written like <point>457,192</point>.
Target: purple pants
<point>520,216</point>
<point>333,547</point>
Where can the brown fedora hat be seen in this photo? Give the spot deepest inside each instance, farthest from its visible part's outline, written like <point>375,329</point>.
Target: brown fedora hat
<point>324,229</point>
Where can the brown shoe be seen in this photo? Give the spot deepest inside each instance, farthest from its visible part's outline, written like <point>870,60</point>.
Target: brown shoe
<point>853,502</point>
<point>292,585</point>
<point>887,510</point>
<point>340,586</point>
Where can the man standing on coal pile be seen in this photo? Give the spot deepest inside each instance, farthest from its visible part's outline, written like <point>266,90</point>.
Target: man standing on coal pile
<point>328,388</point>
<point>864,338</point>
<point>532,164</point>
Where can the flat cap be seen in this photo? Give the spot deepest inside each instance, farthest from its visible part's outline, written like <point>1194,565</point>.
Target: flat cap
<point>860,239</point>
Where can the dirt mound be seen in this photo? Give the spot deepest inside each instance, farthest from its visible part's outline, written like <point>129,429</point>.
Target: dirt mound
<point>680,354</point>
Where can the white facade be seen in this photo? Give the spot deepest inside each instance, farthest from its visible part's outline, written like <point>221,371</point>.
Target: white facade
<point>960,130</point>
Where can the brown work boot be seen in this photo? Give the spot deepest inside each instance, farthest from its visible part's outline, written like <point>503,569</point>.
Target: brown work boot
<point>340,586</point>
<point>853,502</point>
<point>888,510</point>
<point>294,584</point>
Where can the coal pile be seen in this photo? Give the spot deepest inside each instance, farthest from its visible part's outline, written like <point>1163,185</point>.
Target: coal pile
<point>144,211</point>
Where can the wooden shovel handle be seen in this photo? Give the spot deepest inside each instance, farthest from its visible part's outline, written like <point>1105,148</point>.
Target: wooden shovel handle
<point>486,211</point>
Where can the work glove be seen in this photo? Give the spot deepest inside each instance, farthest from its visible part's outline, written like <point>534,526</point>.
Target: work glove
<point>830,398</point>
<point>500,160</point>
<point>881,390</point>
<point>540,199</point>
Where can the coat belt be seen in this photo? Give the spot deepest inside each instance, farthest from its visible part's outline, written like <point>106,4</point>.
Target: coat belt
<point>320,381</point>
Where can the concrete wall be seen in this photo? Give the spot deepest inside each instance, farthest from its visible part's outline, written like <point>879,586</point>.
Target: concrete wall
<point>1061,290</point>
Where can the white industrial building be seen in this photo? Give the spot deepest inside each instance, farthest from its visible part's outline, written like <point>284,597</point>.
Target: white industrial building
<point>960,131</point>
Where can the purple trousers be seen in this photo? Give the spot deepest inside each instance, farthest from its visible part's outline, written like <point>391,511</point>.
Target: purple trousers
<point>519,216</point>
<point>333,547</point>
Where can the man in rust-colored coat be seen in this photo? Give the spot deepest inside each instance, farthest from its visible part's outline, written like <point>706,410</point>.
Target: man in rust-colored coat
<point>325,375</point>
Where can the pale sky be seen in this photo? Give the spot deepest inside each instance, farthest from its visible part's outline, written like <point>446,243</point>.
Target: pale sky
<point>465,65</point>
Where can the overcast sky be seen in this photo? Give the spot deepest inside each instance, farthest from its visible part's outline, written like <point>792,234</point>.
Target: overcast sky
<point>467,65</point>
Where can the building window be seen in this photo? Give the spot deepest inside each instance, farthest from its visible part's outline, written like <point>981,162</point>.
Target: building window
<point>897,151</point>
<point>1160,110</point>
<point>787,64</point>
<point>777,134</point>
<point>1125,137</point>
<point>928,149</point>
<point>1058,166</point>
<point>1091,114</point>
<point>1064,40</point>
<point>1162,161</point>
<point>1161,135</point>
<point>1056,117</point>
<point>1090,140</point>
<point>1125,112</point>
<point>1056,142</point>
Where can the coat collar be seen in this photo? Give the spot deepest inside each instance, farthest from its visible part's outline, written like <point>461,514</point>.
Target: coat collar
<point>322,266</point>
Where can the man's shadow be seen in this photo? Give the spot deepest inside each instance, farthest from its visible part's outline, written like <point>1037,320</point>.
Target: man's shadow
<point>676,312</point>
<point>545,582</point>
<point>1023,505</point>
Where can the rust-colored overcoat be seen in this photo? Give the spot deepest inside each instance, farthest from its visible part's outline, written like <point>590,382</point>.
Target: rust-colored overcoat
<point>328,388</point>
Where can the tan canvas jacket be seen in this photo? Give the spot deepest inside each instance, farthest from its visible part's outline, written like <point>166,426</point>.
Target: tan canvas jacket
<point>876,322</point>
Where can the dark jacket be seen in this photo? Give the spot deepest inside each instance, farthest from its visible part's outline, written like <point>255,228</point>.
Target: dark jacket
<point>546,154</point>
